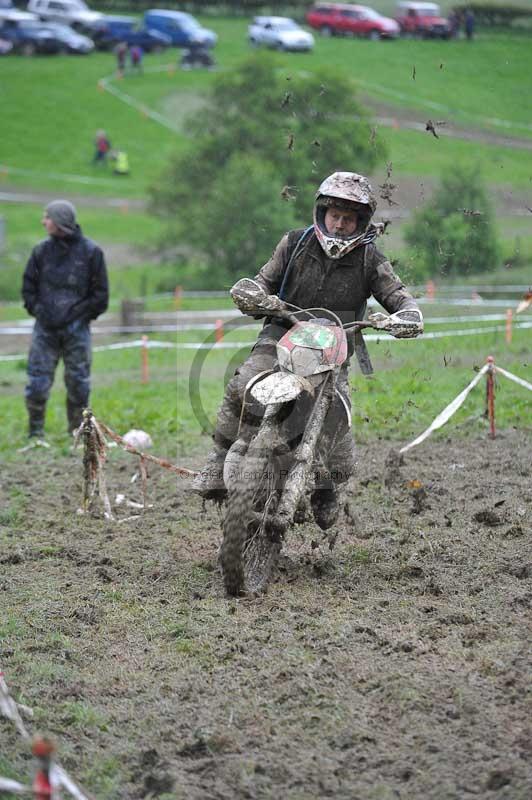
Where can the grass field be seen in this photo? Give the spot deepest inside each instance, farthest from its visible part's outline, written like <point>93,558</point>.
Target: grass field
<point>466,84</point>
<point>413,382</point>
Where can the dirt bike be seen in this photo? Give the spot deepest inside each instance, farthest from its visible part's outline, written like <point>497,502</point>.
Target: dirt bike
<point>268,477</point>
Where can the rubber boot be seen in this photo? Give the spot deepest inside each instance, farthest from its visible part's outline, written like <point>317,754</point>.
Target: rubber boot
<point>209,483</point>
<point>36,413</point>
<point>74,415</point>
<point>325,506</point>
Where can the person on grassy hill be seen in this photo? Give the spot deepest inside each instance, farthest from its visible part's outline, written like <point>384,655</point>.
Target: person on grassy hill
<point>332,264</point>
<point>469,25</point>
<point>135,56</point>
<point>121,53</point>
<point>64,287</point>
<point>102,146</point>
<point>120,161</point>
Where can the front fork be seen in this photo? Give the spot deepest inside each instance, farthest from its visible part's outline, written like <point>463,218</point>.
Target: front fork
<point>296,480</point>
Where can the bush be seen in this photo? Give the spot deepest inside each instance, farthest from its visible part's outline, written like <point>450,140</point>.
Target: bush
<point>455,233</point>
<point>261,133</point>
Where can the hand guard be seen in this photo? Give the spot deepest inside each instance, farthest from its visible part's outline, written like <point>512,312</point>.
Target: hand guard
<point>403,324</point>
<point>406,324</point>
<point>251,298</point>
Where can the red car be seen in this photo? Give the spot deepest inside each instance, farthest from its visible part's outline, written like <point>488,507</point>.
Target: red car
<point>422,19</point>
<point>341,19</point>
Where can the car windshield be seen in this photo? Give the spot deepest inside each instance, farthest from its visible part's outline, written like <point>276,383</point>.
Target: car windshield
<point>369,13</point>
<point>285,25</point>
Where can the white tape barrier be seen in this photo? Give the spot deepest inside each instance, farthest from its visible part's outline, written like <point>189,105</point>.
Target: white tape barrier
<point>372,337</point>
<point>14,787</point>
<point>448,412</point>
<point>58,777</point>
<point>25,327</point>
<point>514,378</point>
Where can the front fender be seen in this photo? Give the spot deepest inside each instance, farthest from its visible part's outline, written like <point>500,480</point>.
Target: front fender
<point>280,387</point>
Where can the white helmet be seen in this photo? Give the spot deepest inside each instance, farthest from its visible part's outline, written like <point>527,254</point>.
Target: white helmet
<point>351,192</point>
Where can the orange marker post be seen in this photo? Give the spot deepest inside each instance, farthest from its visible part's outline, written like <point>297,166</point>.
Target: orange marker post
<point>431,291</point>
<point>490,395</point>
<point>145,373</point>
<point>178,296</point>
<point>509,318</point>
<point>219,330</point>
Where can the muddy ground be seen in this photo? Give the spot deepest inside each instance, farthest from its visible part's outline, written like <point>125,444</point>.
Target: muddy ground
<point>394,666</point>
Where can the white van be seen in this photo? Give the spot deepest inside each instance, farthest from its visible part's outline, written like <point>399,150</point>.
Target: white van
<point>71,12</point>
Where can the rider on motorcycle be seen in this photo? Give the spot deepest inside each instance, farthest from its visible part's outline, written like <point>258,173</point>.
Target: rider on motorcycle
<point>333,264</point>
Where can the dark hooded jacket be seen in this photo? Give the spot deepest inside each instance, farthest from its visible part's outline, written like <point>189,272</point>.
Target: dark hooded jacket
<point>65,280</point>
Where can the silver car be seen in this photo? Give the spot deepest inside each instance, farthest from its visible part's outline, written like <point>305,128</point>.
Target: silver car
<point>279,33</point>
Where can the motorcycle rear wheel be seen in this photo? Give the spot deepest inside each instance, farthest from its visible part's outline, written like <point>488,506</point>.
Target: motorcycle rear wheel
<point>250,550</point>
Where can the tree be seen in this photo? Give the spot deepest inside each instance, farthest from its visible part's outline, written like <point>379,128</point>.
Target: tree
<point>455,233</point>
<point>260,133</point>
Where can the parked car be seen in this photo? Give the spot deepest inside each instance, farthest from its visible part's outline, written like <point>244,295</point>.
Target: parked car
<point>110,30</point>
<point>342,19</point>
<point>26,33</point>
<point>72,12</point>
<point>183,29</point>
<point>280,33</point>
<point>5,47</point>
<point>422,19</point>
<point>70,41</point>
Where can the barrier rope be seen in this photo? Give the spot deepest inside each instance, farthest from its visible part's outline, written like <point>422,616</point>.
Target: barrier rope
<point>453,407</point>
<point>51,776</point>
<point>92,433</point>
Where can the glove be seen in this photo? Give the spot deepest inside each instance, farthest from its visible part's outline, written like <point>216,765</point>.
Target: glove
<point>403,324</point>
<point>406,324</point>
<point>251,298</point>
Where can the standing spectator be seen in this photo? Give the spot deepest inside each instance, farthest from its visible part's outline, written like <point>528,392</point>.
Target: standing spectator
<point>454,24</point>
<point>102,147</point>
<point>64,288</point>
<point>121,162</point>
<point>121,53</point>
<point>136,54</point>
<point>469,25</point>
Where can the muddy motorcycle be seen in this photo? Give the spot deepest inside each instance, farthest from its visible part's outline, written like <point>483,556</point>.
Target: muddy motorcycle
<point>269,477</point>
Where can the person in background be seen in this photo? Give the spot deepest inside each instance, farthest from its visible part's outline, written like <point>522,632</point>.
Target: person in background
<point>121,162</point>
<point>64,287</point>
<point>454,24</point>
<point>102,147</point>
<point>121,53</point>
<point>469,25</point>
<point>136,54</point>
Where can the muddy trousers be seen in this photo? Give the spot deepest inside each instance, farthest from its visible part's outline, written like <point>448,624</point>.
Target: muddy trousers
<point>72,343</point>
<point>234,419</point>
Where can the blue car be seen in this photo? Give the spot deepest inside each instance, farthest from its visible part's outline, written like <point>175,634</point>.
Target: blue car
<point>183,29</point>
<point>109,31</point>
<point>27,34</point>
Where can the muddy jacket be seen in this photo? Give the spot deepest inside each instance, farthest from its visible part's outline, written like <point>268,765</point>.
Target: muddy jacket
<point>342,285</point>
<point>65,280</point>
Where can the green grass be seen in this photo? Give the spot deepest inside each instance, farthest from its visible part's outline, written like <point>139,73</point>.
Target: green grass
<point>412,384</point>
<point>487,79</point>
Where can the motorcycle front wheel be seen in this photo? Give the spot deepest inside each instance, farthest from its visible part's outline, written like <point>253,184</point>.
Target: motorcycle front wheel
<point>250,549</point>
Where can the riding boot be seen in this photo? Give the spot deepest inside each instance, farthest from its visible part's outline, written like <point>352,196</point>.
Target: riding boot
<point>209,483</point>
<point>74,415</point>
<point>36,413</point>
<point>325,506</point>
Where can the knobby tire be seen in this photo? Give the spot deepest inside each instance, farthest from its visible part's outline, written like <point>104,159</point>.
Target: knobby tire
<point>249,554</point>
